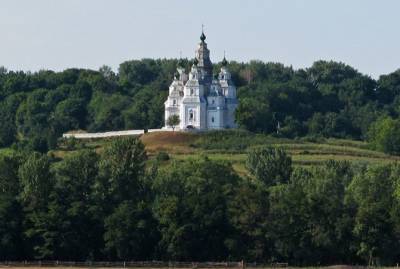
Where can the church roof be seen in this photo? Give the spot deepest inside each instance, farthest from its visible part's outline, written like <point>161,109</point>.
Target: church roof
<point>203,36</point>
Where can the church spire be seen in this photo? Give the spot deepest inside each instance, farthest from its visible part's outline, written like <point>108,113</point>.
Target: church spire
<point>224,61</point>
<point>203,58</point>
<point>180,61</point>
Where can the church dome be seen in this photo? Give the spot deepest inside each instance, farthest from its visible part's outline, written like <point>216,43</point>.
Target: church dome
<point>202,37</point>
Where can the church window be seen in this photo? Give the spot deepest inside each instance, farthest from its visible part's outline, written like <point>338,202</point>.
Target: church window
<point>191,114</point>
<point>174,102</point>
<point>212,119</point>
<point>191,91</point>
<point>213,101</point>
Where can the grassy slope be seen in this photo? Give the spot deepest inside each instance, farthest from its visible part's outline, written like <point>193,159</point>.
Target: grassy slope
<point>233,148</point>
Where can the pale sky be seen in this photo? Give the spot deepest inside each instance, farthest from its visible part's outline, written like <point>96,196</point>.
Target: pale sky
<point>59,34</point>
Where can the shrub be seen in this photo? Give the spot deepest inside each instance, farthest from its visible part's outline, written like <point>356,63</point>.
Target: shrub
<point>162,156</point>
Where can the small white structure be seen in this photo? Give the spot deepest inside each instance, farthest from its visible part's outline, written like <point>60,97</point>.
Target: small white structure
<point>200,100</point>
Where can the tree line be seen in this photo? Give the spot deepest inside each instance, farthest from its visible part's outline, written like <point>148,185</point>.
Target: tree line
<point>328,99</point>
<point>119,205</point>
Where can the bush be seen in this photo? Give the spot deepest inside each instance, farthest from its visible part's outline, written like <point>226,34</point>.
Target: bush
<point>162,156</point>
<point>71,143</point>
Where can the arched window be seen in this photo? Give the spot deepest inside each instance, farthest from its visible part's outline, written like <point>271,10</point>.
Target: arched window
<point>213,101</point>
<point>212,119</point>
<point>191,114</point>
<point>191,91</point>
<point>174,102</point>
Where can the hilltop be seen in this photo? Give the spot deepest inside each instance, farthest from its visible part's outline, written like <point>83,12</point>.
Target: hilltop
<point>233,146</point>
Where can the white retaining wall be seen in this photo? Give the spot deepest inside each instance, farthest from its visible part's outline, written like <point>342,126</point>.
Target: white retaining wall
<point>112,134</point>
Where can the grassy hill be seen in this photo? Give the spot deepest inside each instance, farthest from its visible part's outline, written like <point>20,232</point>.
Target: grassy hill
<point>233,146</point>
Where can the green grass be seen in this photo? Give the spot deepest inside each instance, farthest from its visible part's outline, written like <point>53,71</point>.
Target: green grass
<point>6,151</point>
<point>233,146</point>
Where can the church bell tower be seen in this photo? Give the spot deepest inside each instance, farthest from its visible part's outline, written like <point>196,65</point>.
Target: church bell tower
<point>203,58</point>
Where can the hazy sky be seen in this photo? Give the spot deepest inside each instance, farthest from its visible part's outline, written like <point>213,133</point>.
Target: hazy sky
<point>58,34</point>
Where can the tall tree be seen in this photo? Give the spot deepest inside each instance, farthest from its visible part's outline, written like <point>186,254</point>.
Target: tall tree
<point>270,165</point>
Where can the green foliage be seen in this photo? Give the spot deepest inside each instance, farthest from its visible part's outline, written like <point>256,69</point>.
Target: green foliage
<point>232,140</point>
<point>162,156</point>
<point>11,216</point>
<point>329,99</point>
<point>191,207</point>
<point>36,181</point>
<point>105,111</point>
<point>254,115</point>
<point>371,193</point>
<point>248,214</point>
<point>384,135</point>
<point>270,165</point>
<point>110,205</point>
<point>173,121</point>
<point>131,231</point>
<point>129,226</point>
<point>72,213</point>
<point>309,219</point>
<point>122,169</point>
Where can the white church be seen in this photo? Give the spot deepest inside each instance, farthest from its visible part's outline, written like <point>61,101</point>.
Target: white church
<point>202,101</point>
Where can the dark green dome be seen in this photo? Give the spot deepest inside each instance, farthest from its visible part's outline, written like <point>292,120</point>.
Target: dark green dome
<point>202,37</point>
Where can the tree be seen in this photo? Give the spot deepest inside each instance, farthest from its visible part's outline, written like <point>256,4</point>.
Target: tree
<point>11,215</point>
<point>131,231</point>
<point>73,224</point>
<point>70,114</point>
<point>124,190</point>
<point>173,121</point>
<point>254,115</point>
<point>288,218</point>
<point>122,170</point>
<point>105,111</point>
<point>370,195</point>
<point>270,165</point>
<point>37,183</point>
<point>384,135</point>
<point>191,206</point>
<point>248,214</point>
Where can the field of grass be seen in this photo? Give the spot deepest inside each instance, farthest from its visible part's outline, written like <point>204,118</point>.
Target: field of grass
<point>233,146</point>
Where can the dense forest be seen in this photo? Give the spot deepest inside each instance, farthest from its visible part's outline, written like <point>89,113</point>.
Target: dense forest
<point>329,99</point>
<point>118,205</point>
